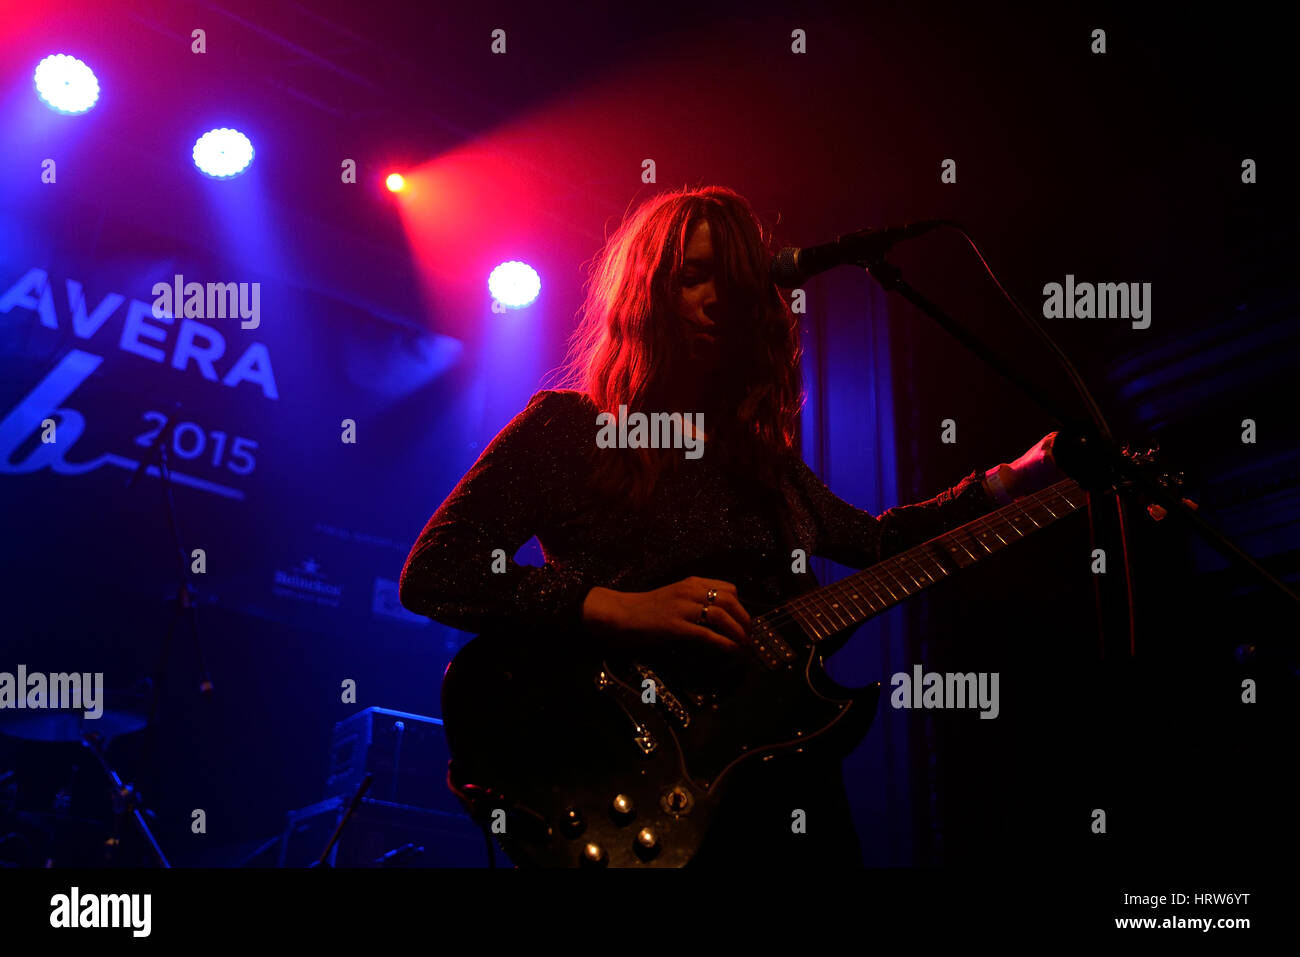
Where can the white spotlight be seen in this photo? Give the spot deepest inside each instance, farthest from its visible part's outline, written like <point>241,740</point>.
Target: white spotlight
<point>514,284</point>
<point>65,84</point>
<point>223,153</point>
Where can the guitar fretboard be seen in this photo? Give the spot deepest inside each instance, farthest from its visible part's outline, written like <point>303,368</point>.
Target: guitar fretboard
<point>831,609</point>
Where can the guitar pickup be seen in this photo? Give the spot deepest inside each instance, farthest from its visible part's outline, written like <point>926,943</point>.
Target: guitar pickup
<point>665,697</point>
<point>771,647</point>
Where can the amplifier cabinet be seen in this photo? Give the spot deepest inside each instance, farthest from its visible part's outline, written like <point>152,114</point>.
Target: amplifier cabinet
<point>407,753</point>
<point>382,834</point>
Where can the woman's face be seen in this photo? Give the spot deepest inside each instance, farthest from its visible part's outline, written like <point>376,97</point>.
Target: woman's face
<point>698,303</point>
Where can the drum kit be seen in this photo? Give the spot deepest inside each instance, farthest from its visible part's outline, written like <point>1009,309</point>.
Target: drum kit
<point>52,812</point>
<point>63,804</point>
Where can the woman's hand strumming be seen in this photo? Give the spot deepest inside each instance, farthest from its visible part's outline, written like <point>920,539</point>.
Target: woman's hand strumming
<point>673,611</point>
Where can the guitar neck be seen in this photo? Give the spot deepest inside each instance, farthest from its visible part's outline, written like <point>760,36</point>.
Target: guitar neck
<point>829,610</point>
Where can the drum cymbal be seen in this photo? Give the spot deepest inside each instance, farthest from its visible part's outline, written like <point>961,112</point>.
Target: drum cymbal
<point>66,725</point>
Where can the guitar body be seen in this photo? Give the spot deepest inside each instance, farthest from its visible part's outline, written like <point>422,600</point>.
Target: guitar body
<point>601,753</point>
<point>591,757</point>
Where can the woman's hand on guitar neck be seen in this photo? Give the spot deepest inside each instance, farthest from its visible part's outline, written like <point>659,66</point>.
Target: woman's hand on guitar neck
<point>1034,470</point>
<point>671,612</point>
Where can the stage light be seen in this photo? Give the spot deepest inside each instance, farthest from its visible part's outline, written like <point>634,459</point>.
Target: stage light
<point>395,182</point>
<point>514,284</point>
<point>223,153</point>
<point>65,84</point>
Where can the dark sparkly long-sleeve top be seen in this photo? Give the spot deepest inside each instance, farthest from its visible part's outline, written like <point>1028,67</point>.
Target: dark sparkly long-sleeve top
<point>532,480</point>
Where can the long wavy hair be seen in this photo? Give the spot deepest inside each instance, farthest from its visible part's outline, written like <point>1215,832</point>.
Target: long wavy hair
<point>631,343</point>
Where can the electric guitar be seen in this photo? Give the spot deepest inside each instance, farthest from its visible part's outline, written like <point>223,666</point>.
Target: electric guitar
<point>573,754</point>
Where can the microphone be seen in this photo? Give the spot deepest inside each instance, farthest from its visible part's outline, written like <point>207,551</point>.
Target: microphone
<point>156,446</point>
<point>163,435</point>
<point>792,266</point>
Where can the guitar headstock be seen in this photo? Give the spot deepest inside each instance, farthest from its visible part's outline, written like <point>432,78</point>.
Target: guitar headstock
<point>1148,462</point>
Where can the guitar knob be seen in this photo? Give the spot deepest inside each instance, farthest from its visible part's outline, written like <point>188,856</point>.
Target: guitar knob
<point>593,855</point>
<point>572,823</point>
<point>622,807</point>
<point>647,844</point>
<point>676,801</point>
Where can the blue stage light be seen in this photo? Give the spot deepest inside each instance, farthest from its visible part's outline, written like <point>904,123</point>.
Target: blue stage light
<point>223,153</point>
<point>65,84</point>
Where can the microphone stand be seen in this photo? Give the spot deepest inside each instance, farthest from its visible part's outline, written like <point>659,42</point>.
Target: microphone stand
<point>182,601</point>
<point>1085,451</point>
<point>127,802</point>
<point>324,859</point>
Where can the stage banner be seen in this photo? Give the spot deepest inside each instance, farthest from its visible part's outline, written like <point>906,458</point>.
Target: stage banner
<point>302,432</point>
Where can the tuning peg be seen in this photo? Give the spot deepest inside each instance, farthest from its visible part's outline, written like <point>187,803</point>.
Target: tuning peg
<point>1157,512</point>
